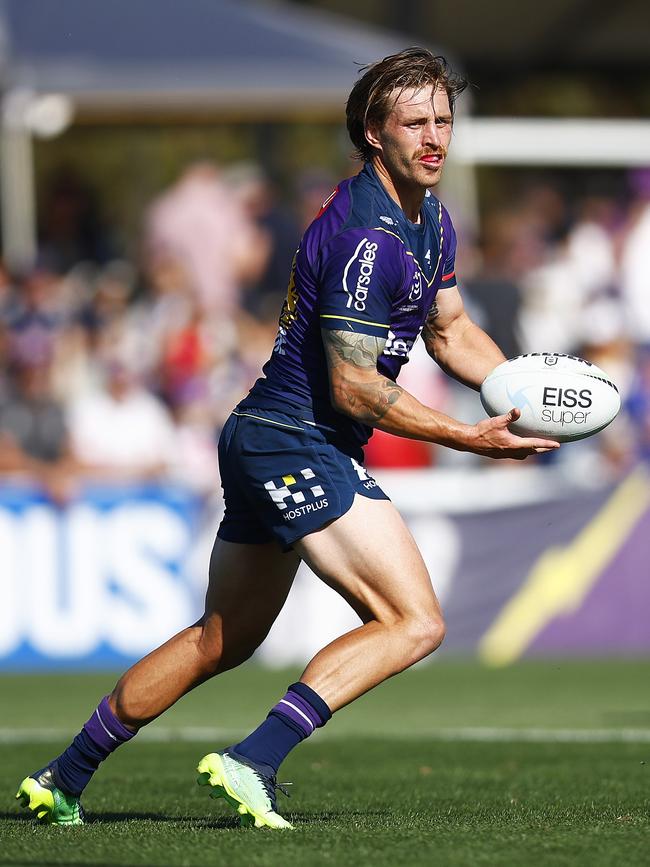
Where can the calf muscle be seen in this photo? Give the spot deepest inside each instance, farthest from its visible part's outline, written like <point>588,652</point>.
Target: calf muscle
<point>370,558</point>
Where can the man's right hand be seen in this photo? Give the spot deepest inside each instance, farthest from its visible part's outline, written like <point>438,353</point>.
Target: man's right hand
<point>492,439</point>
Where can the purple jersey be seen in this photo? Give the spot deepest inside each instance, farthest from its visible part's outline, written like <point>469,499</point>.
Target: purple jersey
<point>361,266</point>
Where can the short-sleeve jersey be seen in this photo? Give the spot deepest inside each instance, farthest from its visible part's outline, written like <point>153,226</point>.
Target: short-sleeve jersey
<point>361,266</point>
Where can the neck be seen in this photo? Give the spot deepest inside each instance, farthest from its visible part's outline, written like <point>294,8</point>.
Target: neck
<point>408,198</point>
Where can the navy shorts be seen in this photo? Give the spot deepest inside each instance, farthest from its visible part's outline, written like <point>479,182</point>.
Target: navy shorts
<point>283,479</point>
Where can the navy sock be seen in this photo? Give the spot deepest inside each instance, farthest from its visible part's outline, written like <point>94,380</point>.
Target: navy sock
<point>102,734</point>
<point>289,722</point>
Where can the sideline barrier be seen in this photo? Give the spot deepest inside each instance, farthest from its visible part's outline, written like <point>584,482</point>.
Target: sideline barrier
<point>115,573</point>
<point>98,582</point>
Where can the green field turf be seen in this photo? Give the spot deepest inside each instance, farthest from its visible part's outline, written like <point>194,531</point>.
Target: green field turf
<point>385,783</point>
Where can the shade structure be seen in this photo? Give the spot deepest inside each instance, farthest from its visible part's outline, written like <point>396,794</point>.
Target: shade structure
<point>148,55</point>
<point>135,60</point>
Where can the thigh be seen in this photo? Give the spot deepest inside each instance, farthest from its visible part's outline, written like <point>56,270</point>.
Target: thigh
<point>283,479</point>
<point>369,557</point>
<point>248,585</point>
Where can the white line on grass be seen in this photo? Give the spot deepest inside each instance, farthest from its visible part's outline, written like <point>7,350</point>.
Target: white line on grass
<point>542,735</point>
<point>199,734</point>
<point>190,734</point>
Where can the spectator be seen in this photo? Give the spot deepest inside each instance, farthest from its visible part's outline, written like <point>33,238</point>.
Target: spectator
<point>71,229</point>
<point>195,455</point>
<point>635,262</point>
<point>199,224</point>
<point>185,359</point>
<point>492,287</point>
<point>120,430</point>
<point>34,437</point>
<point>106,294</point>
<point>591,248</point>
<point>37,315</point>
<point>7,293</point>
<point>638,405</point>
<point>257,197</point>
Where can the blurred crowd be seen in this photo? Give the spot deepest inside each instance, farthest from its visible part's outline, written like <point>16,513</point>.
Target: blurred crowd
<point>117,370</point>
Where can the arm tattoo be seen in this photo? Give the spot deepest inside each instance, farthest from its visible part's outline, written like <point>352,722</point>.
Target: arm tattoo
<point>366,401</point>
<point>361,350</point>
<point>369,402</point>
<point>433,312</point>
<point>428,332</point>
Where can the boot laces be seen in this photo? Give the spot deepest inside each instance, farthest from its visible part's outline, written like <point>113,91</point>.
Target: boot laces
<point>271,786</point>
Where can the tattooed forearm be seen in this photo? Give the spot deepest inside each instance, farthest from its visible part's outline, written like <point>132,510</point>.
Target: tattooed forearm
<point>361,350</point>
<point>358,389</point>
<point>369,402</point>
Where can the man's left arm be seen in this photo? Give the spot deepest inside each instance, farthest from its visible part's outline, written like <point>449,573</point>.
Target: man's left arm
<point>460,347</point>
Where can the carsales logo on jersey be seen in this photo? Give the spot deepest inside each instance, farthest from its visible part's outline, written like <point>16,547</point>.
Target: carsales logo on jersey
<point>361,264</point>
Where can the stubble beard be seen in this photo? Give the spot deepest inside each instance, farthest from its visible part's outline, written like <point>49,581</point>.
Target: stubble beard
<point>427,177</point>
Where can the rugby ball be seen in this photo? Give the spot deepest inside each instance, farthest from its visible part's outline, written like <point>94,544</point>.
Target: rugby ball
<point>559,396</point>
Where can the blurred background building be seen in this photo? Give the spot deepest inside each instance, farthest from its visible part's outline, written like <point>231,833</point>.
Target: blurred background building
<point>159,163</point>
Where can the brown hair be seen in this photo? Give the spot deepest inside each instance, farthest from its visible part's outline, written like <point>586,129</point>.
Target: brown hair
<point>369,100</point>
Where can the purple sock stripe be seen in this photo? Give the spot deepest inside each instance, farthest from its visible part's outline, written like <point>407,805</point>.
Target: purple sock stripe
<point>313,699</point>
<point>301,712</point>
<point>305,707</point>
<point>114,725</point>
<point>286,707</point>
<point>105,729</point>
<point>99,734</point>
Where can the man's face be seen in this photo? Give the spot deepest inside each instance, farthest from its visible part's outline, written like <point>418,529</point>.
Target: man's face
<point>414,139</point>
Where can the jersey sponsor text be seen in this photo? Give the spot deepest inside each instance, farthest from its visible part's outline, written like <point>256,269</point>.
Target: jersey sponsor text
<point>364,256</point>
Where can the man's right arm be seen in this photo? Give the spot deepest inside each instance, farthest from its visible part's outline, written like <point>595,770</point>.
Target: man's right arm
<point>359,391</point>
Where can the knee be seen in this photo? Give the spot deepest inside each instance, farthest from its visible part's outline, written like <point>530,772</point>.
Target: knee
<point>216,661</point>
<point>218,653</point>
<point>425,634</point>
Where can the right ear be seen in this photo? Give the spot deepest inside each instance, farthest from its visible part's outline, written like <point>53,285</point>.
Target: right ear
<point>372,136</point>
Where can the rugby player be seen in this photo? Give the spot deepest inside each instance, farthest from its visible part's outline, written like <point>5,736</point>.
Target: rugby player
<point>373,271</point>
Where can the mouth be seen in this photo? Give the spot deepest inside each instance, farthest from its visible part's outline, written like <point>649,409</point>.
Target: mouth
<point>433,160</point>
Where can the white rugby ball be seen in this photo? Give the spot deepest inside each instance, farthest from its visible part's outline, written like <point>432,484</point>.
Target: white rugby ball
<point>560,396</point>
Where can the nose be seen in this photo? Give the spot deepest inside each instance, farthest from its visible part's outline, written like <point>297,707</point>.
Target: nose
<point>432,134</point>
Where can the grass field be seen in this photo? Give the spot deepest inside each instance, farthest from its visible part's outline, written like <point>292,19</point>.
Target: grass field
<point>449,764</point>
